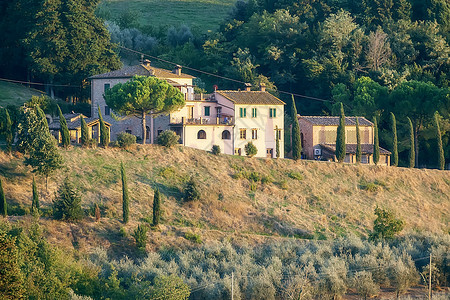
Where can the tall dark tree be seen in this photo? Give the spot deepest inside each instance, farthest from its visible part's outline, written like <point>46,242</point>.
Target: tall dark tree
<point>440,149</point>
<point>411,145</point>
<point>296,138</point>
<point>67,205</point>
<point>84,132</point>
<point>358,142</point>
<point>35,201</point>
<point>104,132</point>
<point>8,132</point>
<point>340,137</point>
<point>376,142</point>
<point>156,207</point>
<point>3,204</point>
<point>125,199</point>
<point>65,136</point>
<point>394,155</point>
<point>277,142</point>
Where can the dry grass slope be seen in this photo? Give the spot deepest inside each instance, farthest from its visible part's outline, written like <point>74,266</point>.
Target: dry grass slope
<point>242,199</point>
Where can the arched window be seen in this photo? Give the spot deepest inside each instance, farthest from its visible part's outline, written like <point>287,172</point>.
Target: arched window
<point>226,135</point>
<point>201,135</point>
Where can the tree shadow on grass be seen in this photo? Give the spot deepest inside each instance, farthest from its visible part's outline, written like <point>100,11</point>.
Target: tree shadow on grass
<point>166,189</point>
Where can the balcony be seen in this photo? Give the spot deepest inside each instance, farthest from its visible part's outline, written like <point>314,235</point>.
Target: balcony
<point>202,121</point>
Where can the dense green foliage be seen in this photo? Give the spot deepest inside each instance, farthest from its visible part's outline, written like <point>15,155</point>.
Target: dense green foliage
<point>11,281</point>
<point>84,132</point>
<point>411,145</point>
<point>440,150</point>
<point>277,142</point>
<point>104,131</point>
<point>3,204</point>
<point>358,142</point>
<point>67,204</point>
<point>125,197</point>
<point>191,191</point>
<point>156,207</point>
<point>126,140</point>
<point>394,156</point>
<point>142,96</point>
<point>250,149</point>
<point>376,143</point>
<point>140,236</point>
<point>215,149</point>
<point>35,198</point>
<point>296,138</point>
<point>340,137</point>
<point>8,132</point>
<point>168,138</point>
<point>386,225</point>
<point>65,136</point>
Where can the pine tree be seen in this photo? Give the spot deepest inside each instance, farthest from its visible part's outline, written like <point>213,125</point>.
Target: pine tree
<point>340,137</point>
<point>35,202</point>
<point>104,132</point>
<point>125,199</point>
<point>296,140</point>
<point>376,143</point>
<point>84,132</point>
<point>67,205</point>
<point>394,141</point>
<point>3,205</point>
<point>65,136</point>
<point>156,207</point>
<point>441,158</point>
<point>277,140</point>
<point>411,144</point>
<point>358,142</point>
<point>8,132</point>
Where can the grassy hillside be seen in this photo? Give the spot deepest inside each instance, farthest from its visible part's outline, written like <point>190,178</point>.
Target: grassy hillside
<point>15,94</point>
<point>306,199</point>
<point>203,15</point>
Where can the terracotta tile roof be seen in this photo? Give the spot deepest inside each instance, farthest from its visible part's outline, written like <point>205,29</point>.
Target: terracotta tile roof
<point>251,97</point>
<point>141,70</point>
<point>72,125</point>
<point>329,121</point>
<point>351,148</point>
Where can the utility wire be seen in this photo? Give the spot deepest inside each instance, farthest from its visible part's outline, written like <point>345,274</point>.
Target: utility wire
<point>38,83</point>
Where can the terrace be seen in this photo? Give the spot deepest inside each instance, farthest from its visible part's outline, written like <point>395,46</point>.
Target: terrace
<point>224,120</point>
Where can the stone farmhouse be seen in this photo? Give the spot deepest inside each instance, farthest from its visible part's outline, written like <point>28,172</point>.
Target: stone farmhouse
<point>318,135</point>
<point>230,119</point>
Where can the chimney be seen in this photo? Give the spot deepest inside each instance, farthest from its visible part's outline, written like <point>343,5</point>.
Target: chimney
<point>177,70</point>
<point>146,62</point>
<point>262,87</point>
<point>142,59</point>
<point>248,87</point>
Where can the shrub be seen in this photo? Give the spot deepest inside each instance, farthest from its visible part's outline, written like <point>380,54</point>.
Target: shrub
<point>215,149</point>
<point>295,175</point>
<point>140,236</point>
<point>250,149</point>
<point>169,287</point>
<point>125,140</point>
<point>364,284</point>
<point>168,139</point>
<point>91,143</point>
<point>191,191</point>
<point>67,205</point>
<point>386,225</point>
<point>193,237</point>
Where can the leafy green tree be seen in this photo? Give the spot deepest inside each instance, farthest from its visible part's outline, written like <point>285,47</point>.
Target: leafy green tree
<point>386,225</point>
<point>215,150</point>
<point>191,191</point>
<point>277,142</point>
<point>67,205</point>
<point>358,142</point>
<point>142,96</point>
<point>84,132</point>
<point>156,207</point>
<point>3,204</point>
<point>250,149</point>
<point>11,279</point>
<point>364,284</point>
<point>394,140</point>
<point>168,138</point>
<point>35,201</point>
<point>296,139</point>
<point>440,149</point>
<point>104,132</point>
<point>170,288</point>
<point>65,136</point>
<point>8,132</point>
<point>369,96</point>
<point>140,236</point>
<point>376,143</point>
<point>125,198</point>
<point>411,161</point>
<point>340,137</point>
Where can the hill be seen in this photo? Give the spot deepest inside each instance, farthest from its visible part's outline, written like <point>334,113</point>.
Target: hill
<point>15,94</point>
<point>201,15</point>
<point>248,200</point>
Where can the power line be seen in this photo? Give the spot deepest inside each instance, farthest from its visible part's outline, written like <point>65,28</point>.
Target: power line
<point>38,83</point>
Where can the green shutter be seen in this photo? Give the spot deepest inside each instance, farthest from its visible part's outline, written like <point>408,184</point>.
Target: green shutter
<point>241,112</point>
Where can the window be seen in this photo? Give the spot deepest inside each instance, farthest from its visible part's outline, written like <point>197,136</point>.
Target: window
<point>237,151</point>
<point>107,111</point>
<point>106,87</point>
<point>242,112</point>
<point>269,152</point>
<point>226,135</point>
<point>243,134</point>
<point>272,112</point>
<point>254,113</point>
<point>207,111</point>
<point>254,134</point>
<point>201,135</point>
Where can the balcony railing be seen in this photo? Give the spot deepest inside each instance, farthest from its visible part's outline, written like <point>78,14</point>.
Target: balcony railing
<point>202,121</point>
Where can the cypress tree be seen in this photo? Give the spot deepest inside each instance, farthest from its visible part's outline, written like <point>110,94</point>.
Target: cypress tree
<point>358,143</point>
<point>156,207</point>
<point>376,143</point>
<point>411,144</point>
<point>296,140</point>
<point>84,132</point>
<point>340,137</point>
<point>3,205</point>
<point>125,199</point>
<point>277,144</point>
<point>35,202</point>
<point>8,132</point>
<point>65,136</point>
<point>394,141</point>
<point>441,158</point>
<point>104,133</point>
